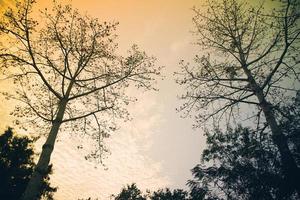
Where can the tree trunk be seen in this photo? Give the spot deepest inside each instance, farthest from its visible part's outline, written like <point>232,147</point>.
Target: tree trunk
<point>33,188</point>
<point>289,165</point>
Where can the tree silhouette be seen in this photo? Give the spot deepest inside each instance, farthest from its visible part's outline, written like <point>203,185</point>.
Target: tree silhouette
<point>130,192</point>
<point>291,127</point>
<point>251,63</point>
<point>244,163</point>
<point>16,167</point>
<point>166,194</point>
<point>68,75</point>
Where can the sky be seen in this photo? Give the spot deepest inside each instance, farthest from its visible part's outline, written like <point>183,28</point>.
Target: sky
<point>157,148</point>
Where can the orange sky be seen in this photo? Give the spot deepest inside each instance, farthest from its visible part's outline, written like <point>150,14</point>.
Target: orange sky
<point>157,148</point>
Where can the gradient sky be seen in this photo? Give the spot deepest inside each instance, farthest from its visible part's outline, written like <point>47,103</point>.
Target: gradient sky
<point>157,148</point>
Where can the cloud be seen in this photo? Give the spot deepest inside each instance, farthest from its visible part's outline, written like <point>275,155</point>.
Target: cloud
<point>128,162</point>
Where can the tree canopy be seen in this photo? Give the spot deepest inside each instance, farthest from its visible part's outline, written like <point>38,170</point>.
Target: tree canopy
<point>165,194</point>
<point>132,192</point>
<point>244,163</point>
<point>16,167</point>
<point>245,166</point>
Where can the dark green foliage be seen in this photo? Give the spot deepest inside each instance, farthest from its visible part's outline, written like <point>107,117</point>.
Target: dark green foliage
<point>240,164</point>
<point>197,193</point>
<point>131,192</point>
<point>290,124</point>
<point>167,194</point>
<point>16,167</point>
<point>245,164</point>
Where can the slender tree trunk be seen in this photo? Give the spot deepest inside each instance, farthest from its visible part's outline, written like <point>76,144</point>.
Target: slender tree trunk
<point>33,188</point>
<point>289,164</point>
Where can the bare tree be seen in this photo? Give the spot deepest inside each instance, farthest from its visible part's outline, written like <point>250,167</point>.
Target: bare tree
<point>251,61</point>
<point>68,73</point>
